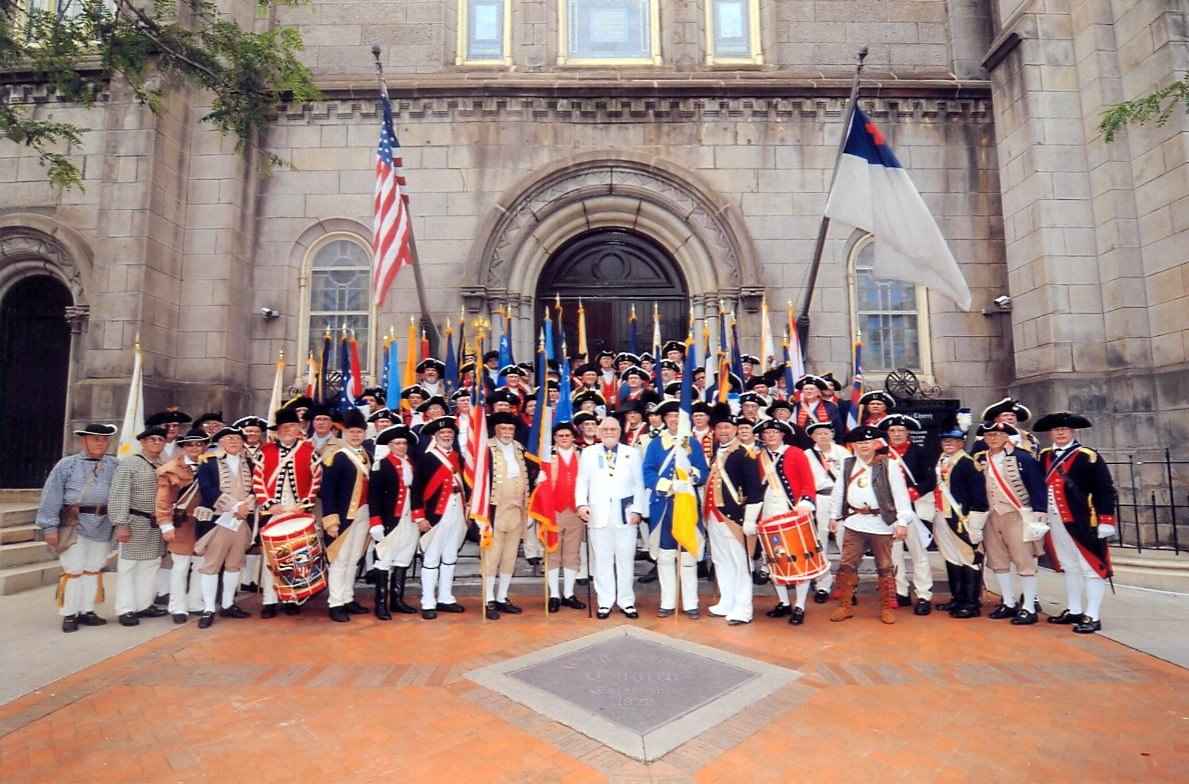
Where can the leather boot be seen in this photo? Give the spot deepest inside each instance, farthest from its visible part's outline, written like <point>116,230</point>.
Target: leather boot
<point>953,576</point>
<point>381,596</point>
<point>396,593</point>
<point>974,591</point>
<point>887,598</point>
<point>844,591</point>
<point>962,607</point>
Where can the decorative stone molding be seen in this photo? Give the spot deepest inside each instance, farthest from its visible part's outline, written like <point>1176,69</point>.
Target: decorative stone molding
<point>33,244</point>
<point>973,108</point>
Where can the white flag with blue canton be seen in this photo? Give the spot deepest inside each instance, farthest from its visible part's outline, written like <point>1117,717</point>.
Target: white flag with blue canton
<point>873,192</point>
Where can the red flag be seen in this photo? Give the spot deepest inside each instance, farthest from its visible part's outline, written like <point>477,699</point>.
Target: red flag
<point>356,370</point>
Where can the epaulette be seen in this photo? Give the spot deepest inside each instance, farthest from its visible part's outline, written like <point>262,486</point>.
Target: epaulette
<point>208,456</point>
<point>1089,453</point>
<point>1046,449</point>
<point>328,458</point>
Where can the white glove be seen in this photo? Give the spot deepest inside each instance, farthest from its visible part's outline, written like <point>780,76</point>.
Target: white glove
<point>805,507</point>
<point>974,526</point>
<point>203,514</point>
<point>750,515</point>
<point>377,532</point>
<point>1105,531</point>
<point>694,475</point>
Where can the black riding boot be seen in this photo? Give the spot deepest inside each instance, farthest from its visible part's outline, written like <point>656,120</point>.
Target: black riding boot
<point>953,575</point>
<point>381,596</point>
<point>396,598</point>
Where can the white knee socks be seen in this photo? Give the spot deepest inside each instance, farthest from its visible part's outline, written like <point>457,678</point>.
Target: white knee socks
<point>230,586</point>
<point>782,592</point>
<point>802,593</point>
<point>1073,592</point>
<point>210,587</point>
<point>1005,588</point>
<point>505,583</point>
<point>1095,590</point>
<point>570,576</point>
<point>489,589</point>
<point>1029,585</point>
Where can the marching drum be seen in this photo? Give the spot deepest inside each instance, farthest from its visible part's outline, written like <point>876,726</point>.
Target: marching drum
<point>294,555</point>
<point>791,547</point>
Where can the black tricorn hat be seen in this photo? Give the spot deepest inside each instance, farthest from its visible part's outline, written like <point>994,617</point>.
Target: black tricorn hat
<point>1061,419</point>
<point>97,429</point>
<point>210,416</point>
<point>429,429</point>
<point>150,431</point>
<point>773,424</point>
<point>862,433</point>
<point>250,421</point>
<point>193,436</point>
<point>285,416</point>
<point>996,427</point>
<point>721,412</point>
<point>899,420</point>
<point>502,418</point>
<point>226,431</point>
<point>396,432</point>
<point>354,420</point>
<point>1007,404</point>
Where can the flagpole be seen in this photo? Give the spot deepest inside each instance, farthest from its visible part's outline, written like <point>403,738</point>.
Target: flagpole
<point>427,324</point>
<point>824,227</point>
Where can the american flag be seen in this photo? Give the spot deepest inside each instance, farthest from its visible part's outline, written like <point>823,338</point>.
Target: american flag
<point>391,235</point>
<point>856,386</point>
<point>476,472</point>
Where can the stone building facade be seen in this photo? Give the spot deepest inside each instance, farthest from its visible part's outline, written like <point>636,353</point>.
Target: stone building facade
<point>713,140</point>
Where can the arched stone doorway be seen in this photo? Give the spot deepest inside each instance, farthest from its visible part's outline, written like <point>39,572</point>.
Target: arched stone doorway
<point>699,229</point>
<point>34,366</point>
<point>610,270</point>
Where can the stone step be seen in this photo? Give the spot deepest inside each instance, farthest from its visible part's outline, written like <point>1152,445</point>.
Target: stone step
<point>28,576</point>
<point>17,513</point>
<point>1163,570</point>
<point>20,496</point>
<point>18,533</point>
<point>24,553</point>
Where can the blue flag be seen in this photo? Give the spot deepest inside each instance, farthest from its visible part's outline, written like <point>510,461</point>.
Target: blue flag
<point>505,358</point>
<point>392,396</point>
<point>327,356</point>
<point>343,402</point>
<point>533,448</point>
<point>687,390</point>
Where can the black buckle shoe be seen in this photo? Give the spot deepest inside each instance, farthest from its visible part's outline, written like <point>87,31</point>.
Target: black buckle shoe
<point>429,615</point>
<point>736,622</point>
<point>508,607</point>
<point>797,616</point>
<point>902,600</point>
<point>821,597</point>
<point>922,607</point>
<point>1001,612</point>
<point>650,577</point>
<point>1024,618</point>
<point>268,611</point>
<point>292,609</point>
<point>492,611</point>
<point>205,620</point>
<point>234,611</point>
<point>603,615</point>
<point>91,619</point>
<point>1087,626</point>
<point>964,611</point>
<point>663,613</point>
<point>152,611</point>
<point>1066,618</point>
<point>452,607</point>
<point>180,618</point>
<point>779,611</point>
<point>574,603</point>
<point>129,619</point>
<point>693,614</point>
<point>758,577</point>
<point>629,612</point>
<point>340,614</point>
<point>355,608</point>
<point>554,604</point>
<point>69,623</point>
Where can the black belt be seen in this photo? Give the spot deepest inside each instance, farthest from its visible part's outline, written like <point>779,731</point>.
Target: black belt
<point>866,510</point>
<point>139,513</point>
<point>92,510</point>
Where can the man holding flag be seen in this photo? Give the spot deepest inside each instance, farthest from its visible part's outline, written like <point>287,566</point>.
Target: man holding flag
<point>511,479</point>
<point>672,468</point>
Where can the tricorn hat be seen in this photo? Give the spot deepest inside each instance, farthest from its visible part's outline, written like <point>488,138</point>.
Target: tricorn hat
<point>430,429</point>
<point>862,433</point>
<point>394,433</point>
<point>97,429</point>
<point>1061,419</point>
<point>1004,406</point>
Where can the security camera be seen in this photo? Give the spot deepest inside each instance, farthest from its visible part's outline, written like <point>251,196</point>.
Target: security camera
<point>1003,302</point>
<point>269,313</point>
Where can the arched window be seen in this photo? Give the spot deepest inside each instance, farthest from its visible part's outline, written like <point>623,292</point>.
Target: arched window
<point>340,293</point>
<point>891,314</point>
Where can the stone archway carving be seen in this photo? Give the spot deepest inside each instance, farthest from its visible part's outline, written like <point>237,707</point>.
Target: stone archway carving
<point>702,230</point>
<point>34,244</point>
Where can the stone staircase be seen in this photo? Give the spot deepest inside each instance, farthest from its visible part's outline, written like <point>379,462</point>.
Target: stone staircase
<point>25,561</point>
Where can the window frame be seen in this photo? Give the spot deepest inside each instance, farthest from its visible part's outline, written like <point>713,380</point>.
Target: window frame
<point>463,55</point>
<point>306,292</point>
<point>757,50</point>
<point>924,337</point>
<point>563,40</point>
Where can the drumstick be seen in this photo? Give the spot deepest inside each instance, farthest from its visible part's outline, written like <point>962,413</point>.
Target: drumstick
<point>677,608</point>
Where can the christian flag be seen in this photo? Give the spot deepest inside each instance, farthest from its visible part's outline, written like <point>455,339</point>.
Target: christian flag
<point>873,192</point>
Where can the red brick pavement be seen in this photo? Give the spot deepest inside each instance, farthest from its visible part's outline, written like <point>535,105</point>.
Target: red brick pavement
<point>305,700</point>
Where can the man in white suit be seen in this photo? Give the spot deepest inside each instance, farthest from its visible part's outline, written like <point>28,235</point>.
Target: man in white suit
<point>609,497</point>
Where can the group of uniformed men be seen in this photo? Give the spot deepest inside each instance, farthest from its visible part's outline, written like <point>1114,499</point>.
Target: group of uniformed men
<point>386,484</point>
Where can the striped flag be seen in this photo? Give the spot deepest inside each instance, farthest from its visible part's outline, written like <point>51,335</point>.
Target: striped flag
<point>278,389</point>
<point>540,451</point>
<point>476,472</point>
<point>313,390</point>
<point>391,227</point>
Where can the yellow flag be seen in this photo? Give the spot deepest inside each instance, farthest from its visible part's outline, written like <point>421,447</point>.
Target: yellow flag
<point>685,511</point>
<point>409,378</point>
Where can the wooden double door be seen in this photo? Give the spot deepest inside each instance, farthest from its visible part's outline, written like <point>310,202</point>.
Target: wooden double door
<point>610,271</point>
